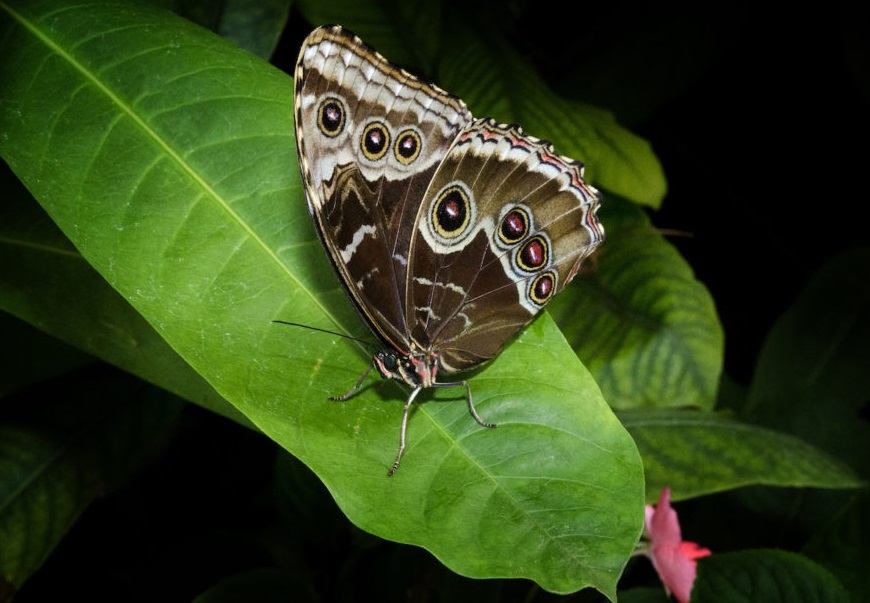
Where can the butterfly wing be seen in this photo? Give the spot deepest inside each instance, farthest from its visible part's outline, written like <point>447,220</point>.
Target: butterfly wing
<point>503,227</point>
<point>369,137</point>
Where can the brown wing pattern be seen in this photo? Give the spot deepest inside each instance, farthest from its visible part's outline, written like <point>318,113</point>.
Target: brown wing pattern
<point>369,136</point>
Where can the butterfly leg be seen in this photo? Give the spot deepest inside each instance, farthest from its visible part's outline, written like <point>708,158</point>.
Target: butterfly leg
<point>404,429</point>
<point>471,408</point>
<point>355,387</point>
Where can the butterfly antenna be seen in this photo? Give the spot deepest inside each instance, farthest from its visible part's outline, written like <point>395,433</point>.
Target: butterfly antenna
<point>346,336</point>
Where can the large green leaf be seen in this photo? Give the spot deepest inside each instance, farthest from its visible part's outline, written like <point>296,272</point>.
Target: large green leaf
<point>166,156</point>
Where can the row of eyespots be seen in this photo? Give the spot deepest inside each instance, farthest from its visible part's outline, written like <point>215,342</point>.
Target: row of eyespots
<point>450,217</point>
<point>375,137</point>
<point>533,254</point>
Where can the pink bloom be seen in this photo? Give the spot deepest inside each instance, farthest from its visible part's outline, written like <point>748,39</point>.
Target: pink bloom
<point>672,558</point>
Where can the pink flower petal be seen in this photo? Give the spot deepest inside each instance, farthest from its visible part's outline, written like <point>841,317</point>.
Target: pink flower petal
<point>691,550</point>
<point>676,571</point>
<point>664,525</point>
<point>673,559</point>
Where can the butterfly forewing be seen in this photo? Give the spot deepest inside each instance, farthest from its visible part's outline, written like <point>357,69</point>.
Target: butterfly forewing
<point>369,138</point>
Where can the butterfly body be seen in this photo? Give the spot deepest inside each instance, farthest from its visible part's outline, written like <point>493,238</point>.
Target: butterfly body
<point>449,233</point>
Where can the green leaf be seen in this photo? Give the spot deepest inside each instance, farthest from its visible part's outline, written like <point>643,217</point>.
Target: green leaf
<point>642,323</point>
<point>811,378</point>
<point>699,453</point>
<point>166,156</point>
<point>765,575</point>
<point>59,453</point>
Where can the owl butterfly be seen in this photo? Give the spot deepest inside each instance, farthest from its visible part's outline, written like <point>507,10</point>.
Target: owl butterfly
<point>449,233</point>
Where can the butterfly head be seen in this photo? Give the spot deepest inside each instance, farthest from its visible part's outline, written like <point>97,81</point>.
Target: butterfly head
<point>417,369</point>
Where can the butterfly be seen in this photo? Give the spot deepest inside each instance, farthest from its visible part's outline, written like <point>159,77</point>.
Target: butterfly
<point>449,233</point>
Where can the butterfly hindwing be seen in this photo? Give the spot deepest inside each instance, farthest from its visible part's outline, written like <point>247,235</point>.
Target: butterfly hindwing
<point>503,228</point>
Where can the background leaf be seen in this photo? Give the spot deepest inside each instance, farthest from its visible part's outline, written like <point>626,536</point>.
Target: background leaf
<point>36,357</point>
<point>812,370</point>
<point>646,328</point>
<point>494,80</point>
<point>767,576</point>
<point>37,261</point>
<point>169,164</point>
<point>647,58</point>
<point>699,453</point>
<point>407,33</point>
<point>56,457</point>
<point>253,26</point>
<point>842,546</point>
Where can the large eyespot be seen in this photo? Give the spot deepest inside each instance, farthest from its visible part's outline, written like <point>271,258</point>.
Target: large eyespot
<point>514,226</point>
<point>534,254</point>
<point>330,117</point>
<point>451,211</point>
<point>375,141</point>
<point>542,288</point>
<point>408,144</point>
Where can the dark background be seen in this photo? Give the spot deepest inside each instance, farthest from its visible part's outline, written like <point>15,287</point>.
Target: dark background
<point>765,151</point>
<point>760,119</point>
